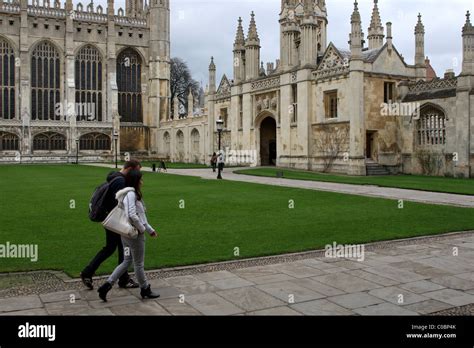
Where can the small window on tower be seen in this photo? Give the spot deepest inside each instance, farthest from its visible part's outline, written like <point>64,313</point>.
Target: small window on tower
<point>224,117</point>
<point>389,92</point>
<point>330,104</point>
<point>294,105</point>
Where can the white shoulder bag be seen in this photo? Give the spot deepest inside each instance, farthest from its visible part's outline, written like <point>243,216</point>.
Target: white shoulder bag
<point>117,221</point>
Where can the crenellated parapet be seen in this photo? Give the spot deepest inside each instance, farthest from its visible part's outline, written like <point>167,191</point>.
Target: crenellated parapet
<point>89,13</point>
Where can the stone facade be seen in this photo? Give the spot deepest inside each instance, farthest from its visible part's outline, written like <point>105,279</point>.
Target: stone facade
<point>340,109</point>
<point>82,76</point>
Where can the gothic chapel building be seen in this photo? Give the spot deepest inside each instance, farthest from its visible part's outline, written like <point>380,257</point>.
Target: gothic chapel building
<point>75,78</point>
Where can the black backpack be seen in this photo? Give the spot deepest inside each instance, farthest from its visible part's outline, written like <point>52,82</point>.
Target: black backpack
<point>97,205</point>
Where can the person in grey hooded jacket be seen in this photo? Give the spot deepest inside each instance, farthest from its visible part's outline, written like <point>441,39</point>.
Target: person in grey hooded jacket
<point>134,249</point>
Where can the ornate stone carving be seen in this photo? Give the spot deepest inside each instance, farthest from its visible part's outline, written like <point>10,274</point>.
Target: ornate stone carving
<point>266,101</point>
<point>424,86</point>
<point>266,84</point>
<point>224,90</point>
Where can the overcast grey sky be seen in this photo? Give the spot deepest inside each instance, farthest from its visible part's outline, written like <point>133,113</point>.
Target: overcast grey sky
<point>205,28</point>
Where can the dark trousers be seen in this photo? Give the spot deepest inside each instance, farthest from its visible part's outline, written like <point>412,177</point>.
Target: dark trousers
<point>214,165</point>
<point>113,241</point>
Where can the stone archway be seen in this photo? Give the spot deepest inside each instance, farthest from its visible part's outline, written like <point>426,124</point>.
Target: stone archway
<point>268,142</point>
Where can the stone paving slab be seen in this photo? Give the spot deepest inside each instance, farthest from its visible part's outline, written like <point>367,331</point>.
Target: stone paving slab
<point>60,296</point>
<point>290,292</point>
<point>250,299</point>
<point>212,304</point>
<point>321,308</point>
<point>397,296</point>
<point>355,300</point>
<point>174,307</point>
<point>20,303</point>
<point>318,287</point>
<point>346,282</point>
<point>28,312</point>
<point>277,311</point>
<point>385,309</point>
<point>452,297</point>
<point>231,283</point>
<point>421,286</point>
<point>140,309</point>
<point>428,307</point>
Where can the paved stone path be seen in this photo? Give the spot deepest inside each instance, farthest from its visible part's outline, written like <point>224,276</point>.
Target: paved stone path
<point>360,190</point>
<point>410,277</point>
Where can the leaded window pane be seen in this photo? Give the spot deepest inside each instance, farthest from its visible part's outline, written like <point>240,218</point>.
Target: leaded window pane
<point>7,81</point>
<point>129,86</point>
<point>89,84</point>
<point>45,70</point>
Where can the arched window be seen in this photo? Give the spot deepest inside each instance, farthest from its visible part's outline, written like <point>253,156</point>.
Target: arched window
<point>9,142</point>
<point>431,127</point>
<point>129,74</point>
<point>45,82</point>
<point>7,81</point>
<point>49,142</point>
<point>95,142</point>
<point>180,141</point>
<point>88,81</point>
<point>167,143</point>
<point>195,138</point>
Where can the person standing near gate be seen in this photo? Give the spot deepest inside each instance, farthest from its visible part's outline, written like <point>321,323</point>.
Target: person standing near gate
<point>220,163</point>
<point>214,162</point>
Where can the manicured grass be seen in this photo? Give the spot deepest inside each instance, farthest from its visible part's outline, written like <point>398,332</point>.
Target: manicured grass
<point>422,183</point>
<point>218,217</point>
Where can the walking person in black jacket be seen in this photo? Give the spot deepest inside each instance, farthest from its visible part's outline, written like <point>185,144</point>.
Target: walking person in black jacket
<point>113,241</point>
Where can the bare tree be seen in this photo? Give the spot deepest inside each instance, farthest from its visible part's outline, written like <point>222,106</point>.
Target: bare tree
<point>330,143</point>
<point>181,82</point>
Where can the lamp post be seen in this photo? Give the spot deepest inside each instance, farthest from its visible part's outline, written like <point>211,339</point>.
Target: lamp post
<point>116,136</point>
<point>220,126</point>
<point>77,151</point>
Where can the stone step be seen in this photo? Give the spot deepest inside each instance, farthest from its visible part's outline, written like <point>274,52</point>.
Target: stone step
<point>375,169</point>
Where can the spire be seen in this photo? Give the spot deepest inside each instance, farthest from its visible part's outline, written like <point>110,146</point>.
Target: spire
<point>356,33</point>
<point>419,42</point>
<point>355,18</point>
<point>375,22</point>
<point>376,30</point>
<point>262,70</point>
<point>419,28</point>
<point>190,103</point>
<point>240,36</point>
<point>468,44</point>
<point>212,66</point>
<point>253,34</point>
<point>308,7</point>
<point>468,28</point>
<point>212,77</point>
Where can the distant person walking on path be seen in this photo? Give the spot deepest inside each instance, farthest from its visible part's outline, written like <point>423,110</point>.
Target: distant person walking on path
<point>214,162</point>
<point>134,248</point>
<point>116,182</point>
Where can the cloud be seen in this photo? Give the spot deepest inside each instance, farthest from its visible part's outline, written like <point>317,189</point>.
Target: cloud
<point>204,28</point>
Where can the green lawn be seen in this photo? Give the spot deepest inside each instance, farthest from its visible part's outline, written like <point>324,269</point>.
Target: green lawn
<point>422,183</point>
<point>218,217</point>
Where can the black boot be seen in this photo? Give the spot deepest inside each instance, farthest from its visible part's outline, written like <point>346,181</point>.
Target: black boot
<point>147,293</point>
<point>103,291</point>
<point>87,281</point>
